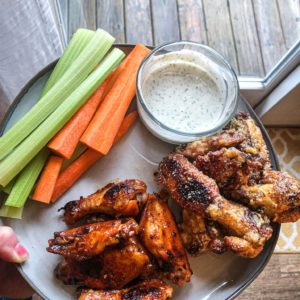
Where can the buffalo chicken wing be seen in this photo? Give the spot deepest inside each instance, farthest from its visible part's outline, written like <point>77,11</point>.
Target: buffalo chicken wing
<point>159,234</point>
<point>123,198</point>
<point>90,240</point>
<point>113,269</point>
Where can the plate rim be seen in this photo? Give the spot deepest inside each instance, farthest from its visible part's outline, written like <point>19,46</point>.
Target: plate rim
<point>276,227</point>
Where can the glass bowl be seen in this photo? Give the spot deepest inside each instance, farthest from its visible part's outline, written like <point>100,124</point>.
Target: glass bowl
<point>216,62</point>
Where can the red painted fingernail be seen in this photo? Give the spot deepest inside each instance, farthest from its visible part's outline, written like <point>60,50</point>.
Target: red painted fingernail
<point>21,251</point>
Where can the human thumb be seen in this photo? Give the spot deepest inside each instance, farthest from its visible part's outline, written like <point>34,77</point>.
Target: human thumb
<point>10,248</point>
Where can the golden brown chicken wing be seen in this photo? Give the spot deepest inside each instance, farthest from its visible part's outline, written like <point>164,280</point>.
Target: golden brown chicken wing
<point>245,179</point>
<point>113,269</point>
<point>253,143</point>
<point>200,235</point>
<point>230,168</point>
<point>278,196</point>
<point>123,198</point>
<point>90,240</point>
<point>197,192</point>
<point>224,138</point>
<point>241,133</point>
<point>146,290</point>
<point>159,234</point>
<point>186,184</point>
<point>250,229</point>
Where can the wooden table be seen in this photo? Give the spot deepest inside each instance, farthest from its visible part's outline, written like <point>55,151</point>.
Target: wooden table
<point>251,34</point>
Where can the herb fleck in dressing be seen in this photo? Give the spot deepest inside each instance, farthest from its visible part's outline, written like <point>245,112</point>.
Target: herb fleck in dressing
<point>184,92</point>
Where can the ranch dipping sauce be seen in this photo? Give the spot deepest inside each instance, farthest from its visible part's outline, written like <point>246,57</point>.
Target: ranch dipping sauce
<point>184,91</point>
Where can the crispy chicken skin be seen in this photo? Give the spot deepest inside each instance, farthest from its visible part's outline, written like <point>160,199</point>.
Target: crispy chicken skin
<point>146,290</point>
<point>113,269</point>
<point>90,240</point>
<point>241,133</point>
<point>159,233</point>
<point>200,235</point>
<point>195,191</point>
<point>224,138</point>
<point>245,179</point>
<point>253,143</point>
<point>278,196</point>
<point>123,198</point>
<point>186,184</point>
<point>250,229</point>
<point>230,168</point>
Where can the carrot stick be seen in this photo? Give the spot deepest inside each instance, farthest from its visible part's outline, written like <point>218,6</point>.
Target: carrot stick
<point>45,186</point>
<point>125,125</point>
<point>66,140</point>
<point>114,76</point>
<point>104,126</point>
<point>87,159</point>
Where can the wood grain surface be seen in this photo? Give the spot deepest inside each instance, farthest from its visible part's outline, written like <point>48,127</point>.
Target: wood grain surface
<point>280,280</point>
<point>81,14</point>
<point>269,32</point>
<point>165,21</point>
<point>245,37</point>
<point>251,34</point>
<point>192,20</point>
<point>110,17</point>
<point>138,22</point>
<point>64,10</point>
<point>219,33</point>
<point>289,11</point>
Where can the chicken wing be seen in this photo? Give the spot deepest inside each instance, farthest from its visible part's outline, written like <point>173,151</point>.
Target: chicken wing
<point>123,198</point>
<point>90,240</point>
<point>231,168</point>
<point>278,196</point>
<point>241,133</point>
<point>114,268</point>
<point>224,138</point>
<point>197,192</point>
<point>159,234</point>
<point>253,143</point>
<point>146,290</point>
<point>200,235</point>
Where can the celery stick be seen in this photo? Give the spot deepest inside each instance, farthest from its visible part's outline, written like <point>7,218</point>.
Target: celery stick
<point>11,212</point>
<point>78,42</point>
<point>21,155</point>
<point>75,74</point>
<point>23,186</point>
<point>8,188</point>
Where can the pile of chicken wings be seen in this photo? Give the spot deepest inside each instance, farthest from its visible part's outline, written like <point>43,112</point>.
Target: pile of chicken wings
<point>228,191</point>
<point>128,243</point>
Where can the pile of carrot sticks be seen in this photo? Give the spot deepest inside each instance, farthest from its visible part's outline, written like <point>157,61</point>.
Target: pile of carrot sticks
<point>99,124</point>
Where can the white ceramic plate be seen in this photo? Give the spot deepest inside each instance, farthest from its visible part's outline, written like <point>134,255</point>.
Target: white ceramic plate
<point>136,156</point>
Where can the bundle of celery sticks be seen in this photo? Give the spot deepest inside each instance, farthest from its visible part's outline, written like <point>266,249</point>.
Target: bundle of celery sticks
<point>84,65</point>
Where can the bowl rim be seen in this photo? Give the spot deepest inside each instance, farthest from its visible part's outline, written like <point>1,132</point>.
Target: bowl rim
<point>194,135</point>
<point>275,226</point>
